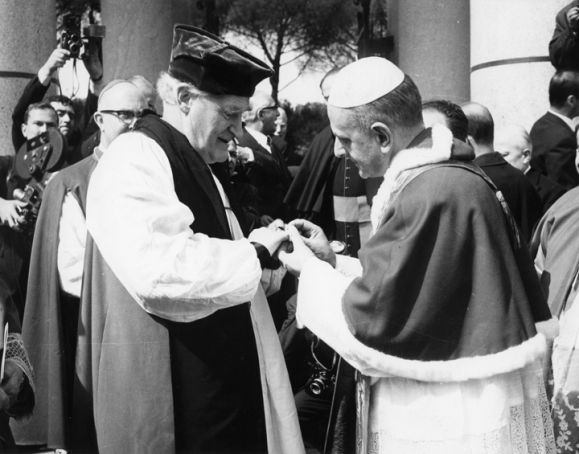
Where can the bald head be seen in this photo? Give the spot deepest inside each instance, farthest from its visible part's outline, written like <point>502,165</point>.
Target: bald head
<point>262,113</point>
<point>514,144</point>
<point>119,105</point>
<point>480,125</point>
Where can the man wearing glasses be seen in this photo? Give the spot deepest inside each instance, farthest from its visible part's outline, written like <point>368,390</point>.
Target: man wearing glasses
<point>56,272</point>
<point>265,167</point>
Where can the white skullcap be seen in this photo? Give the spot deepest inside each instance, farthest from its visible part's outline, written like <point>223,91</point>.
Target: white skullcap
<point>364,81</point>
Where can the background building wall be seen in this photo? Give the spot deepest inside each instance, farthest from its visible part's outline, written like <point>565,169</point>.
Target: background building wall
<point>510,69</point>
<point>431,40</point>
<point>138,39</point>
<point>28,36</point>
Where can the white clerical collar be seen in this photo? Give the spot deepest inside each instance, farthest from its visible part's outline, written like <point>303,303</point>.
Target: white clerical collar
<point>567,120</point>
<point>261,138</point>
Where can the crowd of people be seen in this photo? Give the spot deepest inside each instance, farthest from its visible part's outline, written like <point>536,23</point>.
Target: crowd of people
<point>184,287</point>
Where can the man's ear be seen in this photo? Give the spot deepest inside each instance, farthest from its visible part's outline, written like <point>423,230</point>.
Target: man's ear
<point>23,128</point>
<point>184,98</point>
<point>526,155</point>
<point>470,141</point>
<point>384,135</point>
<point>98,119</point>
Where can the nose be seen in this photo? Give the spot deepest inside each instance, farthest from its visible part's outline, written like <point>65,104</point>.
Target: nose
<point>236,128</point>
<point>339,149</point>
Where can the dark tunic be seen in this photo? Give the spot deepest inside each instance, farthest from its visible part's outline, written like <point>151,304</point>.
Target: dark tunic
<point>443,276</point>
<point>161,386</point>
<point>519,193</point>
<point>554,148</point>
<point>564,45</point>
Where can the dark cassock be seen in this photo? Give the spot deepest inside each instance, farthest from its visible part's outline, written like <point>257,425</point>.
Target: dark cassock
<point>50,323</point>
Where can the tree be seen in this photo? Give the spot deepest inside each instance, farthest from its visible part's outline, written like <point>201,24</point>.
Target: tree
<point>309,32</point>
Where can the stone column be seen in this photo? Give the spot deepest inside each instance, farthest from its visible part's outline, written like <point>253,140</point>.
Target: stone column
<point>28,36</point>
<point>138,37</point>
<point>510,68</point>
<point>431,40</point>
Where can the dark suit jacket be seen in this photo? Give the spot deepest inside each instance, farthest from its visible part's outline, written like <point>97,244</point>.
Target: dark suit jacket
<point>549,190</point>
<point>564,45</point>
<point>554,148</point>
<point>269,175</point>
<point>520,195</point>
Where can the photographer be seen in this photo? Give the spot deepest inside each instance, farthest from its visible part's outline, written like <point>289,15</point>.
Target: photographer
<point>68,123</point>
<point>564,45</point>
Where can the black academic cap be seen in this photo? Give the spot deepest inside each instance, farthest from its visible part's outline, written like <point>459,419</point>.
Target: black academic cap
<point>213,65</point>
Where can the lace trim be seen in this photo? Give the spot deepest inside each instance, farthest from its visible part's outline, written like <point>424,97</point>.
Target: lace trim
<point>16,352</point>
<point>530,431</point>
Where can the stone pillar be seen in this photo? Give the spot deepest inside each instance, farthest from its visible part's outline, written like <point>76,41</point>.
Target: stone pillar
<point>510,68</point>
<point>28,36</point>
<point>431,44</point>
<point>138,37</point>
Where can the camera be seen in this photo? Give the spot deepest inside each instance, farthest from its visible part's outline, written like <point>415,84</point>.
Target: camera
<point>33,162</point>
<point>321,380</point>
<point>70,38</point>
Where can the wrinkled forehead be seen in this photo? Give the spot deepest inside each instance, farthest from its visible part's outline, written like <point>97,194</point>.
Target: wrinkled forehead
<point>124,96</point>
<point>231,104</point>
<point>340,118</point>
<point>42,115</point>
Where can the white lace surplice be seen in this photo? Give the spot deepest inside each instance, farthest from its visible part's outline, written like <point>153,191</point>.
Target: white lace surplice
<point>507,413</point>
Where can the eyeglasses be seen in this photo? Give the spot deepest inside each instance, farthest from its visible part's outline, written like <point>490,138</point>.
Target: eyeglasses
<point>269,108</point>
<point>126,116</point>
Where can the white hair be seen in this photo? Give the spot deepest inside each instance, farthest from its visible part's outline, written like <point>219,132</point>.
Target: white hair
<point>168,88</point>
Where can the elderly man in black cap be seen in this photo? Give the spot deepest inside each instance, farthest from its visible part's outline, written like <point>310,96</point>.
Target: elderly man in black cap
<point>171,353</point>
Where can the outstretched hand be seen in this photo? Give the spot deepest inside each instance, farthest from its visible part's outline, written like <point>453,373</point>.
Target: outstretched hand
<point>314,238</point>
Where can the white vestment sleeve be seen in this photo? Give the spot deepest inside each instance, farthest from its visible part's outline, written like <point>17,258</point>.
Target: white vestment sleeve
<point>143,232</point>
<point>319,308</point>
<point>348,266</point>
<point>71,244</point>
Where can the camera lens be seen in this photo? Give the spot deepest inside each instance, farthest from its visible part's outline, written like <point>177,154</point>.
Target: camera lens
<point>316,388</point>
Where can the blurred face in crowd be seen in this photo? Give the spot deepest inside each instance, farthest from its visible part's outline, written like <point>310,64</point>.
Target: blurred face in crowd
<point>212,122</point>
<point>66,117</point>
<point>39,121</point>
<point>118,110</point>
<point>281,123</point>
<point>268,113</point>
<point>514,148</point>
<point>360,145</point>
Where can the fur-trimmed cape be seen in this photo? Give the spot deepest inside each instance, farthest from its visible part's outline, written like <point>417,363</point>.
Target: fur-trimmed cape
<point>447,293</point>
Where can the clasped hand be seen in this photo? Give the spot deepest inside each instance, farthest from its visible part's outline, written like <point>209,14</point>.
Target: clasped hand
<point>308,240</point>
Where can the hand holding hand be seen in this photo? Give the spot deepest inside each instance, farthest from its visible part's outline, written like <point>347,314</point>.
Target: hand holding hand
<point>271,239</point>
<point>314,237</point>
<point>10,212</point>
<point>11,385</point>
<point>294,261</point>
<point>56,60</point>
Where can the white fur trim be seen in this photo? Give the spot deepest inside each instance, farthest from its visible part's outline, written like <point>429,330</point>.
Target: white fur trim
<point>320,309</point>
<point>407,159</point>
